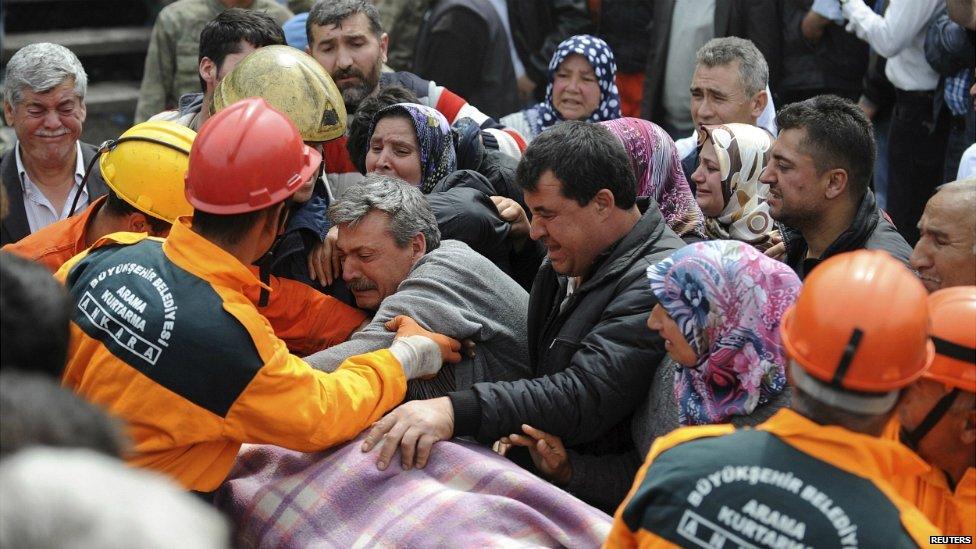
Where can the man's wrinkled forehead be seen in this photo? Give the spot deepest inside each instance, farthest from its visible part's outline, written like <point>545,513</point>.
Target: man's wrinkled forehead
<point>950,213</point>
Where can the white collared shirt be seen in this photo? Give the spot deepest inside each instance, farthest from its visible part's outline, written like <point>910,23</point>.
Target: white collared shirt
<point>40,211</point>
<point>898,36</point>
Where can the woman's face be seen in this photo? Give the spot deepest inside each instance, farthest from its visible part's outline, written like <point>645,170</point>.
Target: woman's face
<point>393,150</point>
<point>708,178</point>
<point>575,90</point>
<point>674,341</point>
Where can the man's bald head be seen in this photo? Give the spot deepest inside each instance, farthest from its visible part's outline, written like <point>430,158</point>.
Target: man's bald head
<point>945,255</point>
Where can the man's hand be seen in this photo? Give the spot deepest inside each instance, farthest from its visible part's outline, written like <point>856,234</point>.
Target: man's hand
<point>776,251</point>
<point>525,88</point>
<point>405,326</point>
<point>413,427</point>
<point>512,212</point>
<point>323,261</point>
<point>867,107</point>
<point>547,451</point>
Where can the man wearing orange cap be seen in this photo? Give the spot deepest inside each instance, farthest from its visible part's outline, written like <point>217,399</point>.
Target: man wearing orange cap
<point>938,417</point>
<point>165,337</point>
<point>816,475</point>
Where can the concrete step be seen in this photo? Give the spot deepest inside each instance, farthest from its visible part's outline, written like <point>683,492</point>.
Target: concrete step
<point>83,42</point>
<point>114,97</point>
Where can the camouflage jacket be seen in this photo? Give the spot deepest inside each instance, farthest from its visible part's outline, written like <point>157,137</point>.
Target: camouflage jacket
<point>173,58</point>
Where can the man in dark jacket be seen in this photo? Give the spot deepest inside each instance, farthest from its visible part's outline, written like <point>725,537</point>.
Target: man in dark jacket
<point>818,178</point>
<point>819,56</point>
<point>463,44</point>
<point>537,29</point>
<point>589,348</point>
<point>679,28</point>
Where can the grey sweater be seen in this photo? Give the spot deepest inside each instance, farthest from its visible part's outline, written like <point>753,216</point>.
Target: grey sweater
<point>454,291</point>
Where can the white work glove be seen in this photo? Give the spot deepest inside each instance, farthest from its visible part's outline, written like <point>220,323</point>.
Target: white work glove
<point>421,352</point>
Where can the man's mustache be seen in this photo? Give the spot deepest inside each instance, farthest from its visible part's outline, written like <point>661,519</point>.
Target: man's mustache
<point>361,285</point>
<point>347,73</point>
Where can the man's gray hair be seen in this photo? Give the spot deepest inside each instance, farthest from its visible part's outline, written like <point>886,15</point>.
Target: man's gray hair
<point>960,185</point>
<point>68,497</point>
<point>753,70</point>
<point>42,67</point>
<point>334,12</point>
<point>409,211</point>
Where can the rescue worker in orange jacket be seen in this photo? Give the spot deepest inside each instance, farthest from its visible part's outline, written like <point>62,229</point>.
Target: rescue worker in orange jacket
<point>165,337</point>
<point>938,418</point>
<point>144,171</point>
<point>816,475</point>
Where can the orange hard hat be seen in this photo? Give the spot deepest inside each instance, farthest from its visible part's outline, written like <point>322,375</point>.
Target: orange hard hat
<point>860,323</point>
<point>953,314</point>
<point>247,157</point>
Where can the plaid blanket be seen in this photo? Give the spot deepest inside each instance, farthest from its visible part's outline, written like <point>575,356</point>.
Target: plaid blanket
<point>466,495</point>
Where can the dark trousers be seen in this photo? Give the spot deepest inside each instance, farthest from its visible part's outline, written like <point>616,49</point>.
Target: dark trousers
<point>962,134</point>
<point>916,158</point>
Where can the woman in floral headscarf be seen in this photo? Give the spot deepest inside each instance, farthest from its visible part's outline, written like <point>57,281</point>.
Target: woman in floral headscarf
<point>659,175</point>
<point>731,159</point>
<point>719,309</point>
<point>412,142</point>
<point>581,87</point>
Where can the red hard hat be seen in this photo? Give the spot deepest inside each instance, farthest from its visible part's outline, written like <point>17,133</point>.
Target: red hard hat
<point>245,158</point>
<point>953,312</point>
<point>860,323</point>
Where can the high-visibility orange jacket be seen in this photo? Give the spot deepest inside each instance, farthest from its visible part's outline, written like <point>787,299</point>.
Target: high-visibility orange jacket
<point>952,510</point>
<point>789,482</point>
<point>58,242</point>
<point>306,319</point>
<point>164,337</point>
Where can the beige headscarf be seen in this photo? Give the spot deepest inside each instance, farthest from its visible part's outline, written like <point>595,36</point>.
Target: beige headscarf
<point>742,152</point>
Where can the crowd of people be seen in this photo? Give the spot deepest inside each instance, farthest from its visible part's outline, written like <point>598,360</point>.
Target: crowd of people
<point>557,273</point>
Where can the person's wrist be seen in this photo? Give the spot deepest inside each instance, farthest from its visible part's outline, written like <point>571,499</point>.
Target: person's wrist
<point>564,474</point>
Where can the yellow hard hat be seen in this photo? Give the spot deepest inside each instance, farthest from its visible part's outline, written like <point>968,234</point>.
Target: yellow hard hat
<point>146,165</point>
<point>292,82</point>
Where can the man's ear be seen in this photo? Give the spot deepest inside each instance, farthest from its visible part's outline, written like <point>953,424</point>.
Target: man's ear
<point>136,222</point>
<point>836,183</point>
<point>8,113</point>
<point>384,46</point>
<point>208,72</point>
<point>418,246</point>
<point>759,102</point>
<point>604,201</point>
<point>968,433</point>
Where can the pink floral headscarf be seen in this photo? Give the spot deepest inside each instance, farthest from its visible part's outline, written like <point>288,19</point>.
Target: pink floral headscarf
<point>659,175</point>
<point>727,298</point>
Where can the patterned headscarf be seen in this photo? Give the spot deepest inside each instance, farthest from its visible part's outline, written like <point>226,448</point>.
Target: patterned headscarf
<point>727,298</point>
<point>438,159</point>
<point>600,56</point>
<point>742,152</point>
<point>659,175</point>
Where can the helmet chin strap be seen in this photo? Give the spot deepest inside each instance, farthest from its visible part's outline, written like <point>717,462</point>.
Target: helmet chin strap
<point>913,437</point>
<point>107,146</point>
<point>88,170</point>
